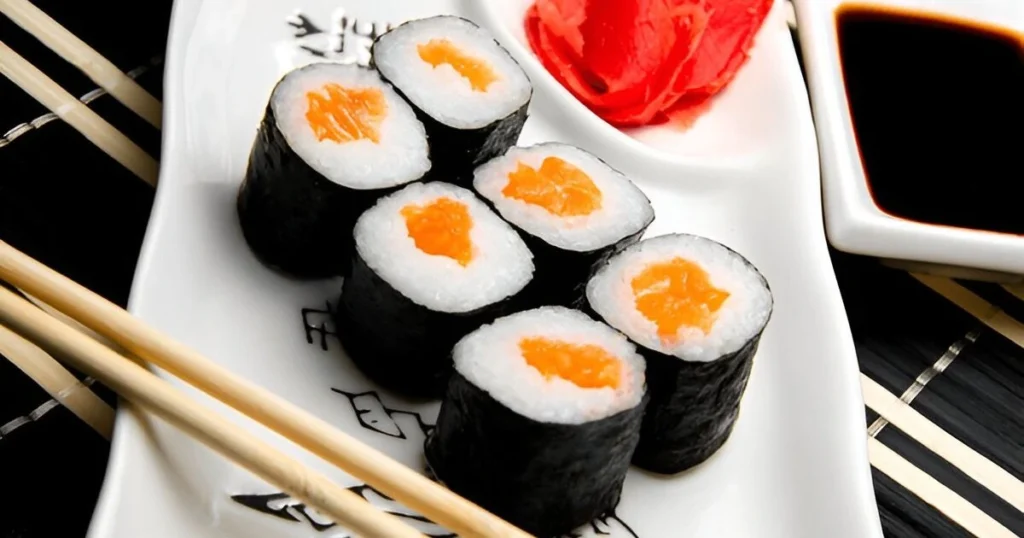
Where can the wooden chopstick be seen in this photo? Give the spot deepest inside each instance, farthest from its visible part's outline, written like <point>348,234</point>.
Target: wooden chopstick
<point>989,314</point>
<point>63,318</point>
<point>104,73</point>
<point>157,396</point>
<point>395,480</point>
<point>939,441</point>
<point>82,118</point>
<point>933,492</point>
<point>59,383</point>
<point>1016,289</point>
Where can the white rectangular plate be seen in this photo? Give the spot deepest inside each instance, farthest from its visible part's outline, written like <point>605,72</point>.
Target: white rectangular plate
<point>746,175</point>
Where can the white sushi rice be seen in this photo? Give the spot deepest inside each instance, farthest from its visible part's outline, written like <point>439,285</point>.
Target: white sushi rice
<point>441,91</point>
<point>742,316</point>
<point>501,265</point>
<point>624,208</point>
<point>400,156</point>
<point>490,358</point>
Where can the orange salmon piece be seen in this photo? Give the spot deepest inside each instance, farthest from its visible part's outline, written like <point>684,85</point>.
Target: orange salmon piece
<point>559,187</point>
<point>586,365</point>
<point>441,228</point>
<point>342,114</point>
<point>442,51</point>
<point>677,293</point>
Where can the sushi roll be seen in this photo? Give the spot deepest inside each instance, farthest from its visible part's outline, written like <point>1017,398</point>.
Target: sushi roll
<point>466,89</point>
<point>571,208</point>
<point>540,420</point>
<point>333,139</point>
<point>696,309</point>
<point>432,262</point>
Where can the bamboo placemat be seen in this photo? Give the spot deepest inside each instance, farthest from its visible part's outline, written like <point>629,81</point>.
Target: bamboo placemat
<point>942,360</point>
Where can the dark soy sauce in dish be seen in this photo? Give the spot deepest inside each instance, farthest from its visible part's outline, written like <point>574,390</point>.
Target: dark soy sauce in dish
<point>938,112</point>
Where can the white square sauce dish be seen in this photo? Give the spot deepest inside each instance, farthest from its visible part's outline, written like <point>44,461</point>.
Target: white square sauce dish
<point>918,110</point>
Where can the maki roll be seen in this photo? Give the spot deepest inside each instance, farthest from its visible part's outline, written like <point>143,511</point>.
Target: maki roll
<point>696,310</point>
<point>333,139</point>
<point>571,208</point>
<point>540,419</point>
<point>466,89</point>
<point>432,262</point>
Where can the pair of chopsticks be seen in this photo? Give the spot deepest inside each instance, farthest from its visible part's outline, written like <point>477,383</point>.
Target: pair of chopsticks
<point>34,362</point>
<point>105,74</point>
<point>134,382</point>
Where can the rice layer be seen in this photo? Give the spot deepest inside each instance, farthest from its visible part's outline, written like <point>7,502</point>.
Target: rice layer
<point>624,209</point>
<point>441,91</point>
<point>740,318</point>
<point>400,154</point>
<point>491,359</point>
<point>501,264</point>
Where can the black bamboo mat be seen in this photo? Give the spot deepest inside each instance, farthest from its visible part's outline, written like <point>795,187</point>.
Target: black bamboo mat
<point>71,206</point>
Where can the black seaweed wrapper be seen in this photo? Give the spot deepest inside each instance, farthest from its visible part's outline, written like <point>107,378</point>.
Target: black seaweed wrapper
<point>402,345</point>
<point>294,219</point>
<point>546,478</point>
<point>562,274</point>
<point>456,152</point>
<point>693,407</point>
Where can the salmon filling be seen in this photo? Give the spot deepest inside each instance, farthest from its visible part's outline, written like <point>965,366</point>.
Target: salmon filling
<point>677,293</point>
<point>441,228</point>
<point>441,51</point>
<point>558,186</point>
<point>585,365</point>
<point>342,114</point>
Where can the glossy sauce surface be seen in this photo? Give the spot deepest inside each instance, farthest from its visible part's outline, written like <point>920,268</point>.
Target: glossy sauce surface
<point>938,112</point>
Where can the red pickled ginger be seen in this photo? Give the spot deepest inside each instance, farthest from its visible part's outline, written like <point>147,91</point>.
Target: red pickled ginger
<point>636,62</point>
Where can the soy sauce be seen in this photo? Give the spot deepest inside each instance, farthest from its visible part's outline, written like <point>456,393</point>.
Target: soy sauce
<point>938,113</point>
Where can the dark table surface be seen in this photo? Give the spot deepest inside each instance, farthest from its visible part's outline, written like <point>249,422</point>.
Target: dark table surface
<point>69,205</point>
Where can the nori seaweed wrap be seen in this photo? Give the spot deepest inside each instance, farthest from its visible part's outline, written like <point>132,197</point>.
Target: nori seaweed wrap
<point>572,209</point>
<point>545,446</point>
<point>431,264</point>
<point>468,91</point>
<point>333,139</point>
<point>693,408</point>
<point>697,312</point>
